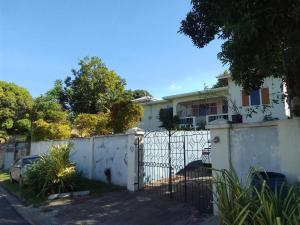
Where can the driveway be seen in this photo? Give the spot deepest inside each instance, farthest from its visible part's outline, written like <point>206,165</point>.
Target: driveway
<point>8,215</point>
<point>123,208</point>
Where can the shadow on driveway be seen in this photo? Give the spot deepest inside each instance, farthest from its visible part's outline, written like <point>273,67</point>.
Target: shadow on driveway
<point>123,208</point>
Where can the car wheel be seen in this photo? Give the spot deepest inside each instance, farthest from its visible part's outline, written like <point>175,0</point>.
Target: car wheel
<point>11,179</point>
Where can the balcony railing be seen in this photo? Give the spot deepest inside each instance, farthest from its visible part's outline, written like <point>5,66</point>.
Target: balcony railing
<point>211,118</point>
<point>188,122</point>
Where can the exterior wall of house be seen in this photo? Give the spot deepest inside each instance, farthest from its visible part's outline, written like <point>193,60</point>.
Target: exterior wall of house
<point>150,120</point>
<point>276,108</point>
<point>95,155</point>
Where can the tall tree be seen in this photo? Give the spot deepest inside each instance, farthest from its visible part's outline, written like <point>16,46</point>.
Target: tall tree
<point>261,39</point>
<point>59,94</point>
<point>125,114</point>
<point>139,93</point>
<point>15,107</point>
<point>93,87</point>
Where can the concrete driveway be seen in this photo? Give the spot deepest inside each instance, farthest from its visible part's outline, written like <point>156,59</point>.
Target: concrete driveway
<point>123,208</point>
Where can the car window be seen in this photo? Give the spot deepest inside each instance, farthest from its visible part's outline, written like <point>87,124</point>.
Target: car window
<point>16,162</point>
<point>29,161</point>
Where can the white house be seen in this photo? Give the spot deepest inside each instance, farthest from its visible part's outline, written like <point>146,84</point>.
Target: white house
<point>231,103</point>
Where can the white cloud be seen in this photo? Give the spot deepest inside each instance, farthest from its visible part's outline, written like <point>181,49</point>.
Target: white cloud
<point>174,86</point>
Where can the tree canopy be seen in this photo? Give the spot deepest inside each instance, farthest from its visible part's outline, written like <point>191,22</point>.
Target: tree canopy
<point>93,87</point>
<point>139,93</point>
<point>222,82</point>
<point>261,39</point>
<point>93,101</point>
<point>15,107</point>
<point>92,124</point>
<point>125,114</point>
<point>51,121</point>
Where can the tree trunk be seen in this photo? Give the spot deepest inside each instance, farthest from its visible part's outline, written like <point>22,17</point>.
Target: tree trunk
<point>293,92</point>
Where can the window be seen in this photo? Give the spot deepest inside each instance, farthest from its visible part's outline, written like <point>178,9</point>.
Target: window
<point>245,98</point>
<point>203,110</point>
<point>195,110</point>
<point>212,108</point>
<point>265,99</point>
<point>255,97</point>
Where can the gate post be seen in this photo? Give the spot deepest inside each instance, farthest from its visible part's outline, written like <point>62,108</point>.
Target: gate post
<point>135,142</point>
<point>220,151</point>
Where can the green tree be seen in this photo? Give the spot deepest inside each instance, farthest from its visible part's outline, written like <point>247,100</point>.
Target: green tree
<point>168,120</point>
<point>261,39</point>
<point>92,124</point>
<point>50,120</point>
<point>125,114</point>
<point>222,82</point>
<point>46,108</point>
<point>44,130</point>
<point>94,88</point>
<point>15,107</point>
<point>59,94</point>
<point>138,93</point>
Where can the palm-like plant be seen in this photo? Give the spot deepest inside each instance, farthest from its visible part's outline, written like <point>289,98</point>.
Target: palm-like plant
<point>53,173</point>
<point>244,204</point>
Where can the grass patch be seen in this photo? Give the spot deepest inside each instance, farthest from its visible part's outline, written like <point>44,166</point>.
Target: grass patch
<point>20,193</point>
<point>95,187</point>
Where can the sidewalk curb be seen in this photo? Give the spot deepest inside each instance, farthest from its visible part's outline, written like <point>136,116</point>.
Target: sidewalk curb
<point>30,214</point>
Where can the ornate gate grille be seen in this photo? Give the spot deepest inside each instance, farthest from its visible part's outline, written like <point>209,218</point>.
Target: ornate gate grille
<point>176,164</point>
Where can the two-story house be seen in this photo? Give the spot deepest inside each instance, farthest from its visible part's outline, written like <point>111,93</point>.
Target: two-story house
<point>230,102</point>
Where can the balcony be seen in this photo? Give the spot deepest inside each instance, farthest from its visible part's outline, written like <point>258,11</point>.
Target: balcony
<point>188,123</point>
<point>211,118</point>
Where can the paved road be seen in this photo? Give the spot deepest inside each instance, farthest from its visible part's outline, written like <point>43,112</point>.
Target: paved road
<point>8,215</point>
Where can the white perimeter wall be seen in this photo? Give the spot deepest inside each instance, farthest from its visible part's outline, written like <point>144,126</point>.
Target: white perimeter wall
<point>94,155</point>
<point>270,146</point>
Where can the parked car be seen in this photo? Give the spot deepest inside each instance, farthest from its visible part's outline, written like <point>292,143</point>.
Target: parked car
<point>19,167</point>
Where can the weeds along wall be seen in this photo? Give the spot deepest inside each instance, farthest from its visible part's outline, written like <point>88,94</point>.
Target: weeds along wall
<point>103,158</point>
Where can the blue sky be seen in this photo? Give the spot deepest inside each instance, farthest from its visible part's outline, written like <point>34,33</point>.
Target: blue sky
<point>42,40</point>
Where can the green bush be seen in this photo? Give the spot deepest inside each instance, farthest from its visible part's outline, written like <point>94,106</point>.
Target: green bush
<point>125,114</point>
<point>53,173</point>
<point>43,130</point>
<point>92,124</point>
<point>243,204</point>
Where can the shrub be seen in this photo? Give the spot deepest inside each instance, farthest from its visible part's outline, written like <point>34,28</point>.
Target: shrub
<point>44,130</point>
<point>125,114</point>
<point>243,204</point>
<point>92,124</point>
<point>53,173</point>
<point>167,119</point>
